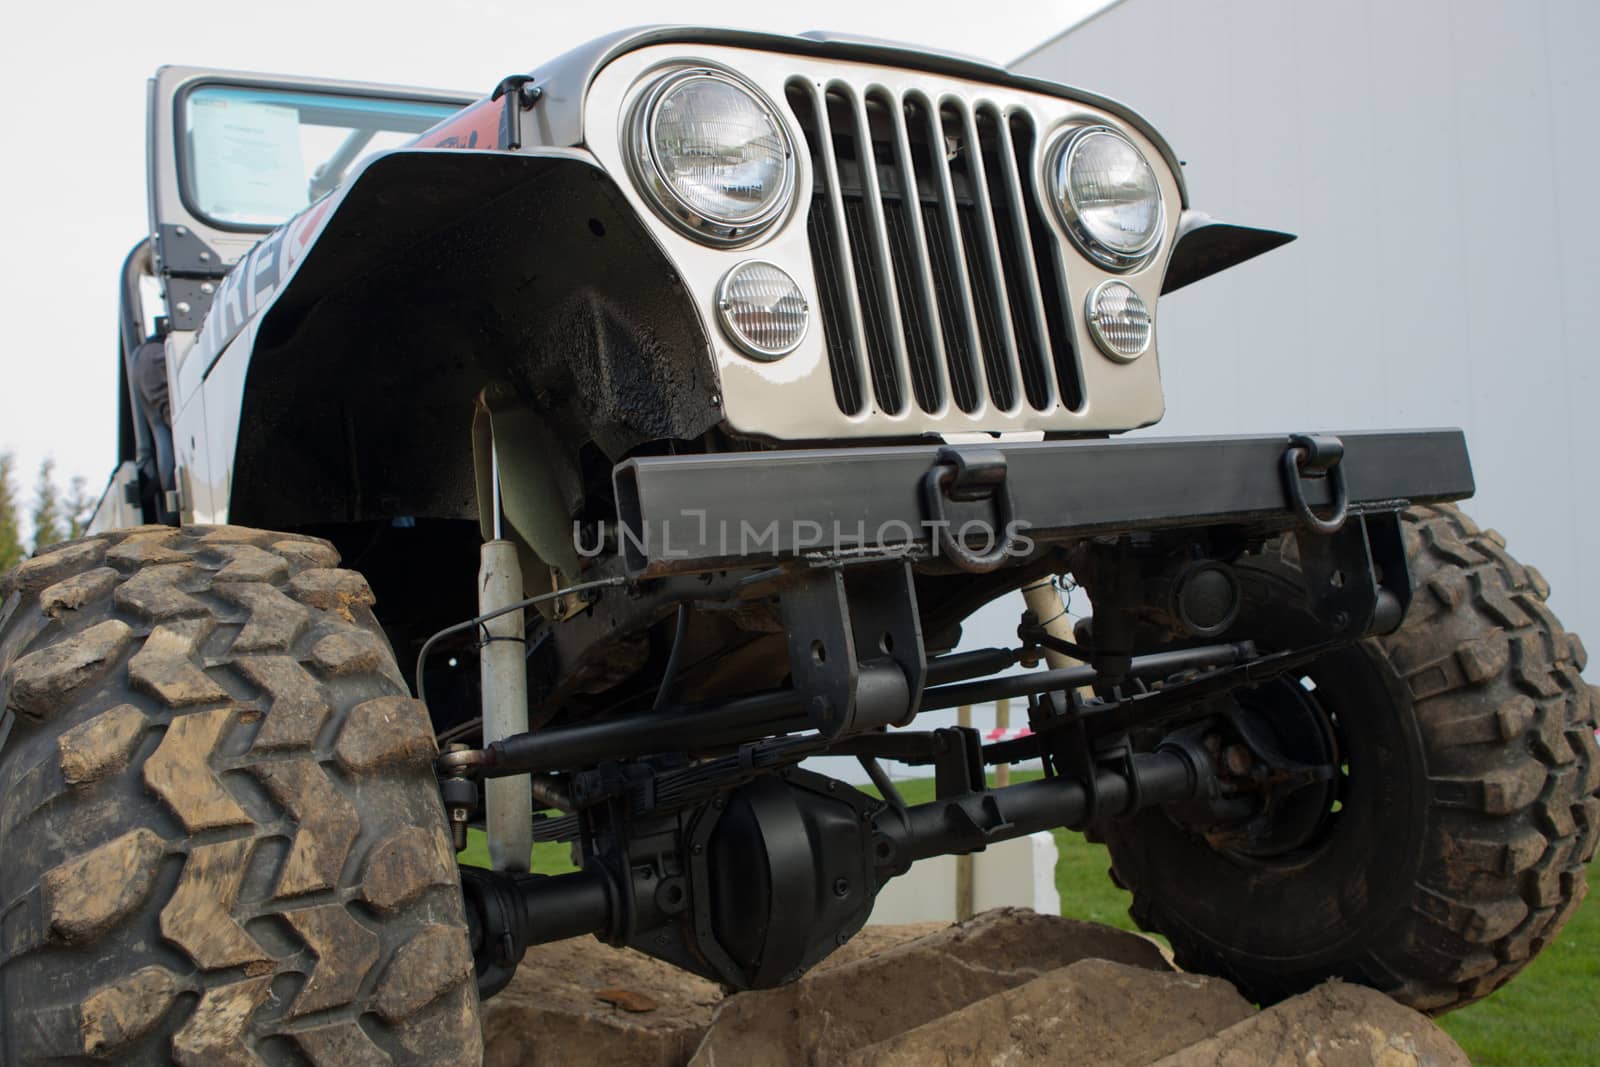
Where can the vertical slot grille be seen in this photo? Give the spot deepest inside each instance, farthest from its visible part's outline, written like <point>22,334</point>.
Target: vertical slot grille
<point>1026,304</point>
<point>956,326</point>
<point>969,201</point>
<point>841,360</point>
<point>830,260</point>
<point>1056,299</point>
<point>938,276</point>
<point>913,284</point>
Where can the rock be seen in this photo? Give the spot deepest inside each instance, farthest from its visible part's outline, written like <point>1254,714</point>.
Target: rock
<point>556,1010</point>
<point>627,999</point>
<point>875,940</point>
<point>1091,1012</point>
<point>831,1013</point>
<point>1334,1025</point>
<point>1008,987</point>
<point>582,1001</point>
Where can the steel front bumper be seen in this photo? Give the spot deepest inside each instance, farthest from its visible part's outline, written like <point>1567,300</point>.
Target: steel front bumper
<point>681,514</point>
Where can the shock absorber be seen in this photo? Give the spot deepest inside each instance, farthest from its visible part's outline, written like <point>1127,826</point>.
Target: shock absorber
<point>503,671</point>
<point>1043,599</point>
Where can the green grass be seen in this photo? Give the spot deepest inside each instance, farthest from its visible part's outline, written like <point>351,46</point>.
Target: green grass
<point>549,857</point>
<point>1547,1015</point>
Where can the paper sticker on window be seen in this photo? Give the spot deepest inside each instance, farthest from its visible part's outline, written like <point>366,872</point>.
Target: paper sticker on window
<point>247,162</point>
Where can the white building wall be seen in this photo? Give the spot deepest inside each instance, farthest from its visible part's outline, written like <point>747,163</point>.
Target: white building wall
<point>1438,160</point>
<point>1020,873</point>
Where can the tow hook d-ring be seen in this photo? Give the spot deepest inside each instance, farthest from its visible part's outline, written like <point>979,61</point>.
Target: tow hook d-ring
<point>969,474</point>
<point>1316,456</point>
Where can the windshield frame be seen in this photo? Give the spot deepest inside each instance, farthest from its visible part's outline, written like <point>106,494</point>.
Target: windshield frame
<point>185,165</point>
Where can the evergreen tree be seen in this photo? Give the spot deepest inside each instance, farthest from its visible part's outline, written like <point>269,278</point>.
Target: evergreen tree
<point>11,550</point>
<point>80,507</point>
<point>46,508</point>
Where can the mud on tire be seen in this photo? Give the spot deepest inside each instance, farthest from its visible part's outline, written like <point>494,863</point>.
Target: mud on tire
<point>221,839</point>
<point>1470,802</point>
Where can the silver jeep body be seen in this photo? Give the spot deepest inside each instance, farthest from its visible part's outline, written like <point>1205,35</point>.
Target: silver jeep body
<point>964,318</point>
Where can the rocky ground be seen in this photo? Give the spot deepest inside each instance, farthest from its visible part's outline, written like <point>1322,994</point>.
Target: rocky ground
<point>1008,987</point>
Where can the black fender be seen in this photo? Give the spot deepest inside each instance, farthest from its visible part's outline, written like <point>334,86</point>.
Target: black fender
<point>438,274</point>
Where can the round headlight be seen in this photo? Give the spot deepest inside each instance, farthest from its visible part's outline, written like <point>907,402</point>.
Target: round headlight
<point>1119,321</point>
<point>763,310</point>
<point>712,155</point>
<point>1108,197</point>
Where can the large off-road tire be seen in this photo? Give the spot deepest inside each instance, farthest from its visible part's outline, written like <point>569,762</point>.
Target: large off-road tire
<point>1455,842</point>
<point>221,838</point>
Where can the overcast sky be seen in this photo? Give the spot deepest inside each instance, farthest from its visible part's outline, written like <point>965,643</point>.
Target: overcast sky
<point>73,174</point>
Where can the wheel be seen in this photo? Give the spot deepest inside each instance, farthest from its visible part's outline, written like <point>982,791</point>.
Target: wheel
<point>223,842</point>
<point>1449,847</point>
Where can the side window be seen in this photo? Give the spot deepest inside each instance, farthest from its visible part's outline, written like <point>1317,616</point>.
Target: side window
<point>252,157</point>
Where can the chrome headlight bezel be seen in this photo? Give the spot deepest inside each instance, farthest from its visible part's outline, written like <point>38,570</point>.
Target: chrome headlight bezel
<point>1058,181</point>
<point>651,179</point>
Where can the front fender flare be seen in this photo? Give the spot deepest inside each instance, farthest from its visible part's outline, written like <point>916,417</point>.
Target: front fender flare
<point>431,275</point>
